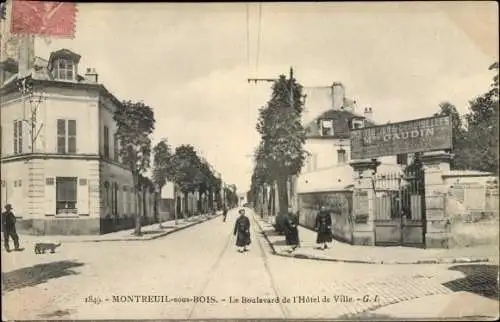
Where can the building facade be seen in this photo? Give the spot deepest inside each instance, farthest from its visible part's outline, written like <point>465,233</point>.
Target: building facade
<point>328,144</point>
<point>61,169</point>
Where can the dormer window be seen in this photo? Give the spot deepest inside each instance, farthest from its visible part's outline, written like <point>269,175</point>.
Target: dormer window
<point>63,65</point>
<point>357,123</point>
<point>64,69</point>
<point>327,128</point>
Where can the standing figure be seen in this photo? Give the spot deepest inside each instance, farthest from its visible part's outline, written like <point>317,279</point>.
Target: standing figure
<point>242,231</point>
<point>291,223</point>
<point>9,228</point>
<point>324,227</point>
<point>224,213</point>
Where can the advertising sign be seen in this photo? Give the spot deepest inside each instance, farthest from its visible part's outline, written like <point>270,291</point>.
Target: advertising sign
<point>421,135</point>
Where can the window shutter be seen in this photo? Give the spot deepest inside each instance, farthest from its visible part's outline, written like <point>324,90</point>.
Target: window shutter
<point>106,142</point>
<point>83,199</point>
<point>20,136</point>
<point>50,197</point>
<point>15,137</point>
<point>61,136</point>
<point>71,136</point>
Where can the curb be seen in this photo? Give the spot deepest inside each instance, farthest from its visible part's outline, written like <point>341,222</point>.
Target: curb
<point>395,262</point>
<point>147,238</point>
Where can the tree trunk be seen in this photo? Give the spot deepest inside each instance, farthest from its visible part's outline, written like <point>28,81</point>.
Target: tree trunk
<point>282,202</point>
<point>137,231</point>
<point>211,200</point>
<point>157,204</point>
<point>186,204</point>
<point>175,204</point>
<point>283,195</point>
<point>144,203</point>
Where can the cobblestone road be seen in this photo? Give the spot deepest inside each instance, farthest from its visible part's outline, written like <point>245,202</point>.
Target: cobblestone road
<point>197,273</point>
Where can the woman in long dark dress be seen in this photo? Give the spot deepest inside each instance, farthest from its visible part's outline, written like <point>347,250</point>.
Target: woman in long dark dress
<point>242,231</point>
<point>291,231</point>
<point>323,227</point>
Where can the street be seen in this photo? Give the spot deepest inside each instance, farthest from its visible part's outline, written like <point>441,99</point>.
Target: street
<point>197,273</point>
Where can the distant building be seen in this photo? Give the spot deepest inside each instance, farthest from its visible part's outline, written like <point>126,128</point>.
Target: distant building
<point>328,143</point>
<point>72,180</point>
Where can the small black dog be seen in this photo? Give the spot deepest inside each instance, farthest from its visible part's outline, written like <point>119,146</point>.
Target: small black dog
<point>40,248</point>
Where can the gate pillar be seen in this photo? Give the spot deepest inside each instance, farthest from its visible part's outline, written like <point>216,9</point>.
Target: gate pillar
<point>437,225</point>
<point>363,212</point>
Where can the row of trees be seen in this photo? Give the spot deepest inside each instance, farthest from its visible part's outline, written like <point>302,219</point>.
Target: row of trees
<point>475,134</point>
<point>135,124</point>
<point>280,153</point>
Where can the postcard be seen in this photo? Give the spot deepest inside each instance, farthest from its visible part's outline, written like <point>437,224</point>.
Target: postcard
<point>249,161</point>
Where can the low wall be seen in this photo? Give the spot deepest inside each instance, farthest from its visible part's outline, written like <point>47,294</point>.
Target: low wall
<point>474,229</point>
<point>339,203</point>
<point>59,226</point>
<point>77,226</point>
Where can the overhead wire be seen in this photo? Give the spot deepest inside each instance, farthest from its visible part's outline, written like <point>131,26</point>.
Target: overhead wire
<point>259,33</point>
<point>248,35</point>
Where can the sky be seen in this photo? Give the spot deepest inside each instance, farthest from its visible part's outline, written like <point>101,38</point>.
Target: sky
<point>190,62</point>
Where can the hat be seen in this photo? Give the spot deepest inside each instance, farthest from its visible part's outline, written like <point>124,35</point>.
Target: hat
<point>241,211</point>
<point>8,206</point>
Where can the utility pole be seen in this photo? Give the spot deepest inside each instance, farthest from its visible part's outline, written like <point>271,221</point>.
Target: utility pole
<point>27,94</point>
<point>35,170</point>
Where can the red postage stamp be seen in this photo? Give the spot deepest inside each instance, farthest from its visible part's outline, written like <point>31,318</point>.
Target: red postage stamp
<point>43,18</point>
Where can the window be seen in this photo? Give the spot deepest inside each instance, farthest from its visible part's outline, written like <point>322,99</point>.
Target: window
<point>357,124</point>
<point>116,151</point>
<point>18,137</point>
<point>66,136</point>
<point>402,159</point>
<point>312,164</point>
<point>66,192</point>
<point>106,142</point>
<point>341,156</point>
<point>106,195</point>
<point>327,127</point>
<point>114,203</point>
<point>64,69</point>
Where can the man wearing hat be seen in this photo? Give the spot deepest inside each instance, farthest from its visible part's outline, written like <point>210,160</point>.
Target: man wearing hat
<point>9,227</point>
<point>242,231</point>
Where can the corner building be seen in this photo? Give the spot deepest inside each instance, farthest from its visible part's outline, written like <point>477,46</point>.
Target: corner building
<point>71,181</point>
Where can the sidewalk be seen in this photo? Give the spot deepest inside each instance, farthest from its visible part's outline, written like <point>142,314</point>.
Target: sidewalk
<point>441,306</point>
<point>149,232</point>
<point>343,252</point>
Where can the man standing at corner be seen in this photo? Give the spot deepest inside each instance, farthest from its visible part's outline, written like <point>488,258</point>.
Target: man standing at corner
<point>9,228</point>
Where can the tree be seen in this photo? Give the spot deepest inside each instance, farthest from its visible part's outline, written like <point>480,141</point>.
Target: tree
<point>282,136</point>
<point>163,169</point>
<point>482,128</point>
<point>135,123</point>
<point>186,173</point>
<point>459,141</point>
<point>261,176</point>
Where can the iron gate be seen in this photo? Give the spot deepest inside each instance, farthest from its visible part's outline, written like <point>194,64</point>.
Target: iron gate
<point>399,208</point>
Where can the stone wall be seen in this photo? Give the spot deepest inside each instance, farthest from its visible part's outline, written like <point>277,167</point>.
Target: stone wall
<point>339,203</point>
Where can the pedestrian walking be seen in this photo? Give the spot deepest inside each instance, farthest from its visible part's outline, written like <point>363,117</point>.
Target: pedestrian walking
<point>291,223</point>
<point>242,231</point>
<point>9,228</point>
<point>323,227</point>
<point>224,213</point>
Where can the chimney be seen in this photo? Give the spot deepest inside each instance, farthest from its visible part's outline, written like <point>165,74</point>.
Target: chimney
<point>338,95</point>
<point>91,75</point>
<point>369,113</point>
